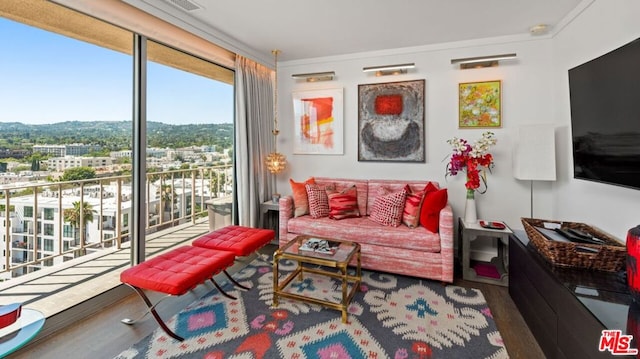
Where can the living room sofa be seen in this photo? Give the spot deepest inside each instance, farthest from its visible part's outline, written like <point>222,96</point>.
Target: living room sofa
<point>403,250</point>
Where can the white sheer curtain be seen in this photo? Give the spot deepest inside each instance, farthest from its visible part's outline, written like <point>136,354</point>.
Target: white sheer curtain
<point>254,141</point>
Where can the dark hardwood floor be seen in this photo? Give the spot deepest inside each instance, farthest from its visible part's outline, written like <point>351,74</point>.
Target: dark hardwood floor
<point>103,335</point>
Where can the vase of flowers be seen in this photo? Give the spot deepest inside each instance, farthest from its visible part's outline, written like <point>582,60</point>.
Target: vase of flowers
<point>474,160</point>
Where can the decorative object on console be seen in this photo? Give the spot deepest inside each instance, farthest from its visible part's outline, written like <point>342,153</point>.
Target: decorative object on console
<point>318,122</point>
<point>480,104</point>
<point>391,122</point>
<point>633,258</point>
<point>473,160</point>
<point>276,161</point>
<point>561,251</point>
<point>534,157</point>
<point>481,61</point>
<point>389,69</point>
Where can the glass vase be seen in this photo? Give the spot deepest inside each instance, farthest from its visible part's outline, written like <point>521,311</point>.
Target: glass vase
<point>470,214</point>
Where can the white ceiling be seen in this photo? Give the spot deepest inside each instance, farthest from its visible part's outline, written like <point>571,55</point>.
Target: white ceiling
<point>304,29</point>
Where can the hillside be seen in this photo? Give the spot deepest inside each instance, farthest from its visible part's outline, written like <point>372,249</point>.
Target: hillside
<point>114,135</point>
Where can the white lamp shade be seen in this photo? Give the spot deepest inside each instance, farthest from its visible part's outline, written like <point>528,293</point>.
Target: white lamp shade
<point>534,157</point>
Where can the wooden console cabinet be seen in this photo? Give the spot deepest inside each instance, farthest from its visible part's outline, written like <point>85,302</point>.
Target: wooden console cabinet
<point>566,308</point>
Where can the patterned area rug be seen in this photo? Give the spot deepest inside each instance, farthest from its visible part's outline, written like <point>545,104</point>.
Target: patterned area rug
<point>390,317</point>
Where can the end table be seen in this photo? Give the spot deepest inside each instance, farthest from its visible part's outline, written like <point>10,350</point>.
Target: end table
<point>469,232</point>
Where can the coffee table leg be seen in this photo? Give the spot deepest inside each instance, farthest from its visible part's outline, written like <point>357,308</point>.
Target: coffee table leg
<point>343,271</point>
<point>276,257</point>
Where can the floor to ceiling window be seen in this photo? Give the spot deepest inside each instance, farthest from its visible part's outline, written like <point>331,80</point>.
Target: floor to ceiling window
<point>66,98</point>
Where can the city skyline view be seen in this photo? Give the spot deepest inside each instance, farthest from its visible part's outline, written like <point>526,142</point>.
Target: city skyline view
<point>49,78</point>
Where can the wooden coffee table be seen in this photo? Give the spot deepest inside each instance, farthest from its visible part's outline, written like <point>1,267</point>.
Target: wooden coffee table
<point>332,265</point>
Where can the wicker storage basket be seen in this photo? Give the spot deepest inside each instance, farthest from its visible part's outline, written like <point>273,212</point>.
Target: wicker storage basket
<point>610,257</point>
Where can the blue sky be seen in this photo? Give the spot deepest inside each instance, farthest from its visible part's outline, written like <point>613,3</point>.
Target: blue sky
<point>49,78</point>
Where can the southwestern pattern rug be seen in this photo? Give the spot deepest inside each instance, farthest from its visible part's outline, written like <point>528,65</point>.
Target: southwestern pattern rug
<point>392,316</point>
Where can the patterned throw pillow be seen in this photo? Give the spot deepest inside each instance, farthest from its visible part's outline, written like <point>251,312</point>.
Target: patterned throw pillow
<point>299,193</point>
<point>411,213</point>
<point>387,209</point>
<point>434,201</point>
<point>343,204</point>
<point>318,201</point>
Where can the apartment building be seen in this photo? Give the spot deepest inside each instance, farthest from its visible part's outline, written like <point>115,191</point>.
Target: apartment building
<point>66,162</point>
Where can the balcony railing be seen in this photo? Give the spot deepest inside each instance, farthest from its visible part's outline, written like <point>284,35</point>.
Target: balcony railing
<point>93,215</point>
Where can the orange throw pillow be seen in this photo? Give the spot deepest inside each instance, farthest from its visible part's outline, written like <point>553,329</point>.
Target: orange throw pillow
<point>300,199</point>
<point>434,201</point>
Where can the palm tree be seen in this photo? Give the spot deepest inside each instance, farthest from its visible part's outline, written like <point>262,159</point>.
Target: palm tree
<point>73,216</point>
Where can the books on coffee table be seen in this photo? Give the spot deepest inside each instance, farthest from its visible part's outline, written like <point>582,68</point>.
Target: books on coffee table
<point>318,245</point>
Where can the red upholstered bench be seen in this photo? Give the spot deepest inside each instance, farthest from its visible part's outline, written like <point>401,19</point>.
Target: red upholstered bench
<point>240,240</point>
<point>183,268</point>
<point>175,273</point>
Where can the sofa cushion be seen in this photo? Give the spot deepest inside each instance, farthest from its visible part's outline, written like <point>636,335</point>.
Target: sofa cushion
<point>364,230</point>
<point>362,187</point>
<point>300,199</point>
<point>390,186</point>
<point>434,200</point>
<point>343,204</point>
<point>387,208</point>
<point>318,201</point>
<point>411,213</point>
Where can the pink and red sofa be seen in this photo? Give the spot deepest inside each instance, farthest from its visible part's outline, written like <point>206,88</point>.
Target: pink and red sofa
<point>401,249</point>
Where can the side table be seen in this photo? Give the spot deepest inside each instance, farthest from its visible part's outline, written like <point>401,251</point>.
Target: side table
<point>21,332</point>
<point>275,207</point>
<point>469,232</point>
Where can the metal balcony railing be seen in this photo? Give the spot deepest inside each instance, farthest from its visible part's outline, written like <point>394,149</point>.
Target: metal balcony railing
<point>94,214</point>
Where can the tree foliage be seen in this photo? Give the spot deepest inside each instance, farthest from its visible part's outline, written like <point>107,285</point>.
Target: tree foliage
<point>78,173</point>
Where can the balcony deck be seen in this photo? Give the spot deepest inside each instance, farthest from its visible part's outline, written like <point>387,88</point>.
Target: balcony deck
<point>90,286</point>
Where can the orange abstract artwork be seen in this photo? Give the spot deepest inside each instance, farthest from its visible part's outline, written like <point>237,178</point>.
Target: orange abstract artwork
<point>318,122</point>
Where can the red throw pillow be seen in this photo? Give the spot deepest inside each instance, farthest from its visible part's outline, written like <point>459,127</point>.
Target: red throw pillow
<point>318,201</point>
<point>387,209</point>
<point>434,201</point>
<point>343,204</point>
<point>411,213</point>
<point>300,199</point>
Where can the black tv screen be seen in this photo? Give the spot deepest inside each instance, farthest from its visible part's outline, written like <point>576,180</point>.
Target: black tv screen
<point>605,117</point>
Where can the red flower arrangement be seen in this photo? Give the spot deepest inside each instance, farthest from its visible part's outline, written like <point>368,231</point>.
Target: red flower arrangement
<point>472,159</point>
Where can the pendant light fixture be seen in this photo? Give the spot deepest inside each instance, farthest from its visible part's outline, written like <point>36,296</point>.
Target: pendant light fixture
<point>276,161</point>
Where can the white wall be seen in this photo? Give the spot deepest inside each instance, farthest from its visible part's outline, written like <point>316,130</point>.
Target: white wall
<point>534,90</point>
<point>526,99</point>
<point>603,26</point>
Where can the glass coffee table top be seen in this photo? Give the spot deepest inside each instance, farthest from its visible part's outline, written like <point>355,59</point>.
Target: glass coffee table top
<point>16,335</point>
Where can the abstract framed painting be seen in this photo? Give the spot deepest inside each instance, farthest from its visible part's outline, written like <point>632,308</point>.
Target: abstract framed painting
<point>318,122</point>
<point>480,104</point>
<point>391,122</point>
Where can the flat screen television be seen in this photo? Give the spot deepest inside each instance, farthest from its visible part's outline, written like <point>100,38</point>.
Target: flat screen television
<point>605,117</point>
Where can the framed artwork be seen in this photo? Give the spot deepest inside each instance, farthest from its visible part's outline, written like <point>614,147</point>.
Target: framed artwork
<point>318,122</point>
<point>391,122</point>
<point>480,104</point>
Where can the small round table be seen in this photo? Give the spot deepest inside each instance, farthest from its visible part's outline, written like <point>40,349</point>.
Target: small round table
<point>16,335</point>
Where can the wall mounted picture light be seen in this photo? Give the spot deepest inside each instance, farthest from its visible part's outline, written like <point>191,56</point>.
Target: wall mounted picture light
<point>315,76</point>
<point>389,69</point>
<point>481,61</point>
